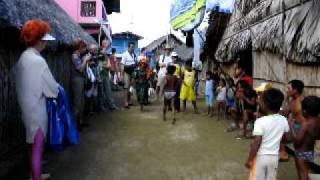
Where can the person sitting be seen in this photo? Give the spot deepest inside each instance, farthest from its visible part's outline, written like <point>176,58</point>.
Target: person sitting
<point>305,138</point>
<point>170,85</point>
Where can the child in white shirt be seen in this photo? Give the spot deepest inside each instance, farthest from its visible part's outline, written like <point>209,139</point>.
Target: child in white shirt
<point>222,95</point>
<point>268,132</point>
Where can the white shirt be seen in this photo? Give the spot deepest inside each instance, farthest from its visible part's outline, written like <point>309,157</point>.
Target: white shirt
<point>166,60</point>
<point>222,94</point>
<point>128,59</point>
<point>271,128</point>
<point>34,83</point>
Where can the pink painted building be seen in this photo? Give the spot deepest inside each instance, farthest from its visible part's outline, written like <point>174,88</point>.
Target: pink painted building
<point>87,12</point>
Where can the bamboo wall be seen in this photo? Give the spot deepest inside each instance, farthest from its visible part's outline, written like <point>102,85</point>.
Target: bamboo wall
<point>274,68</point>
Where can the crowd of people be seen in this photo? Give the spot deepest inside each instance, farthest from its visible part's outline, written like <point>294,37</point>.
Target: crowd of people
<point>258,113</point>
<point>266,116</point>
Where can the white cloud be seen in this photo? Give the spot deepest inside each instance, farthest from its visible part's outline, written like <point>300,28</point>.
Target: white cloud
<point>148,18</point>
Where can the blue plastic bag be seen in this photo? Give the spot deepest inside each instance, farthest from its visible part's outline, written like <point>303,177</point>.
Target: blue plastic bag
<point>72,134</point>
<point>56,127</point>
<point>62,127</point>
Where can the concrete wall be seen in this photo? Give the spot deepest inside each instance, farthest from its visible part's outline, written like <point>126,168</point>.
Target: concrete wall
<point>121,44</point>
<point>73,9</point>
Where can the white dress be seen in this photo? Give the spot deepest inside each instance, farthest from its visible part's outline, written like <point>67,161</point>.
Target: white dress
<point>34,82</point>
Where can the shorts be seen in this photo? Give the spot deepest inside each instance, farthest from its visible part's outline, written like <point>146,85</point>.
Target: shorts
<point>230,103</point>
<point>307,156</point>
<point>209,100</point>
<point>127,80</point>
<point>169,95</point>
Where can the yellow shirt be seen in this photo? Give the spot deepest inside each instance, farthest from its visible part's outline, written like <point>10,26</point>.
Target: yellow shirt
<point>189,78</point>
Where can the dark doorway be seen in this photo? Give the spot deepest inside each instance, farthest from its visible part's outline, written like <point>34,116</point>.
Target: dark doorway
<point>246,61</point>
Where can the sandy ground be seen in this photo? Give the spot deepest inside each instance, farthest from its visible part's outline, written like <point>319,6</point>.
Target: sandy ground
<point>134,145</point>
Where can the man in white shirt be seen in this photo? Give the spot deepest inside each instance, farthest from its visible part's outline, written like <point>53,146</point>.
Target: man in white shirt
<point>164,61</point>
<point>128,65</point>
<point>268,133</point>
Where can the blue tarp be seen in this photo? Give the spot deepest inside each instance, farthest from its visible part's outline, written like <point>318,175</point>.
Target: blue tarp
<point>179,7</point>
<point>226,6</point>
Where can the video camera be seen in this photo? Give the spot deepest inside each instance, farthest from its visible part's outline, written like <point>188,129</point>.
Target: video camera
<point>95,57</point>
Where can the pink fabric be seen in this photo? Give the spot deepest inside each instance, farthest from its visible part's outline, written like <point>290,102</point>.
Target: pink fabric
<point>36,155</point>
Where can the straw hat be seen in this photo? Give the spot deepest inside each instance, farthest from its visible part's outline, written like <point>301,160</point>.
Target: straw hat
<point>263,87</point>
<point>168,46</point>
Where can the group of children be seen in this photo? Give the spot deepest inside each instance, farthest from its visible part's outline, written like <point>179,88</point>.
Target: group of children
<point>271,125</point>
<point>258,113</point>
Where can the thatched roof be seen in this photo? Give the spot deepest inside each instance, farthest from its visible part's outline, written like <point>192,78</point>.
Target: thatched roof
<point>158,43</point>
<point>127,34</point>
<point>260,25</point>
<point>16,12</point>
<point>184,52</point>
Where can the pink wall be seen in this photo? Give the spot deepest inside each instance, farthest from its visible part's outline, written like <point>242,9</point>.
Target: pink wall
<point>73,8</point>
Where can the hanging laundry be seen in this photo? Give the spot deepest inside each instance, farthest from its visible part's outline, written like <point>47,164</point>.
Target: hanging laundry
<point>226,6</point>
<point>187,14</point>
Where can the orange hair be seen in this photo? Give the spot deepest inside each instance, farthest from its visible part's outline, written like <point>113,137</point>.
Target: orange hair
<point>33,30</point>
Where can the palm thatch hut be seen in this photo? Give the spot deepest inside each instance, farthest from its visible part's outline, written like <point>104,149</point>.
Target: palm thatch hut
<point>13,14</point>
<point>279,39</point>
<point>157,47</point>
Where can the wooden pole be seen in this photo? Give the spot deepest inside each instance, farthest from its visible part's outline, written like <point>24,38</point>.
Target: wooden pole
<point>100,32</point>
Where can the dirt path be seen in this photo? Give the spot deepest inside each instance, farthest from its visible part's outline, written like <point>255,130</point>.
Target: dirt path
<point>128,144</point>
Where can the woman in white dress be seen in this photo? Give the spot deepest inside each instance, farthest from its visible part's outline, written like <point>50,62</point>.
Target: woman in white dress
<point>35,83</point>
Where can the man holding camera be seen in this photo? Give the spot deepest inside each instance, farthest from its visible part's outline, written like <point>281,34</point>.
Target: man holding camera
<point>128,66</point>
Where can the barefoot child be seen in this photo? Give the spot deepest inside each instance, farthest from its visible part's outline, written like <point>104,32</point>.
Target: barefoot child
<point>188,87</point>
<point>294,110</point>
<point>209,92</point>
<point>268,132</point>
<point>304,140</point>
<point>170,85</point>
<point>222,95</point>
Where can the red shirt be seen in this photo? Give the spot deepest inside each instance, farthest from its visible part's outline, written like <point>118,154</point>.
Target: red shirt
<point>248,79</point>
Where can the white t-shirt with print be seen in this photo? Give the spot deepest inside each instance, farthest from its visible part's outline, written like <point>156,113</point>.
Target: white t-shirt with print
<point>166,60</point>
<point>128,59</point>
<point>271,128</point>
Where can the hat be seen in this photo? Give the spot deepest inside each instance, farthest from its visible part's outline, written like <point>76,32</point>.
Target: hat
<point>263,87</point>
<point>48,37</point>
<point>168,47</point>
<point>174,54</point>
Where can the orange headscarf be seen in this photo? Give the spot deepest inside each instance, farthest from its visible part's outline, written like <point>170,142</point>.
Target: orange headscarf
<point>144,62</point>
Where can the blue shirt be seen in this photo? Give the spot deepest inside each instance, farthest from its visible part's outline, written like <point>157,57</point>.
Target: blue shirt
<point>209,87</point>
